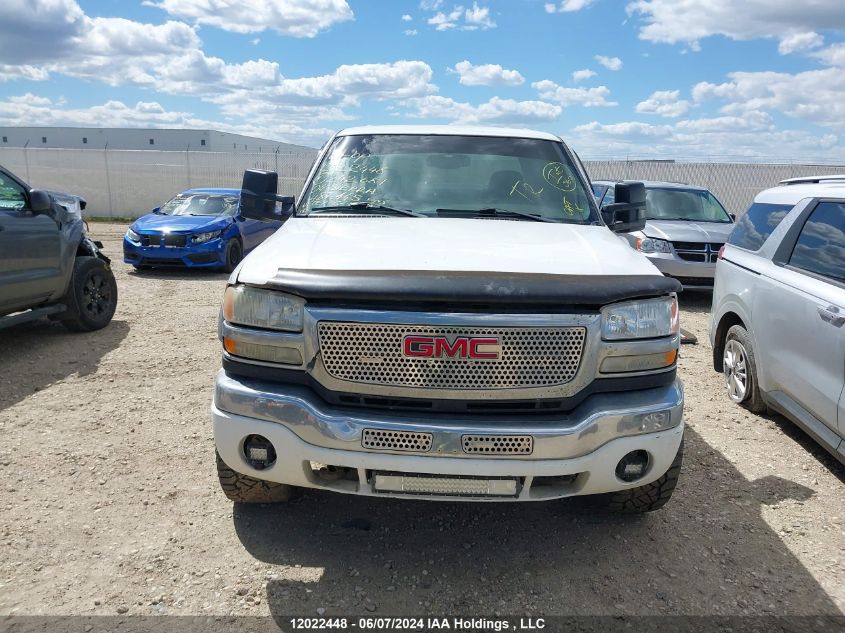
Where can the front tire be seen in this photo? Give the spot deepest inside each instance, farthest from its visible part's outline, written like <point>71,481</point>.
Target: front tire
<point>245,489</point>
<point>234,254</point>
<point>649,497</point>
<point>739,368</point>
<point>91,297</point>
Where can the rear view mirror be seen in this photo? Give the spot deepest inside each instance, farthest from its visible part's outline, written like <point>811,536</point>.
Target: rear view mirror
<point>157,210</point>
<point>259,197</point>
<point>40,202</point>
<point>627,214</point>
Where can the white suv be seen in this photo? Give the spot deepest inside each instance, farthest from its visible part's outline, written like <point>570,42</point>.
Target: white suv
<point>778,318</point>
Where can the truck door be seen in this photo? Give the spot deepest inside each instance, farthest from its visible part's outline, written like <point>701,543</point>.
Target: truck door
<point>30,249</point>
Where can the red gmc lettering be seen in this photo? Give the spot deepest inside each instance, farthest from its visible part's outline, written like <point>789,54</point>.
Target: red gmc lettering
<point>439,347</point>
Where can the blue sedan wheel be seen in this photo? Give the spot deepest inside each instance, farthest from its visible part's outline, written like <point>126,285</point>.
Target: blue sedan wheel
<point>234,254</point>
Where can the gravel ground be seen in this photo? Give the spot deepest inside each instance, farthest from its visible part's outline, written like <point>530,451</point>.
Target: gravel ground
<point>110,502</point>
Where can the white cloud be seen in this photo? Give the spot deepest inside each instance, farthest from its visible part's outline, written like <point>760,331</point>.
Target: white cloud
<point>32,110</point>
<point>486,75</point>
<point>495,111</point>
<point>799,42</point>
<point>587,97</point>
<point>665,103</point>
<point>724,138</point>
<point>474,18</point>
<point>430,5</point>
<point>833,55</point>
<point>410,32</point>
<point>169,58</point>
<point>814,95</point>
<point>585,73</point>
<point>479,17</point>
<point>567,6</point>
<point>673,21</point>
<point>611,63</point>
<point>407,18</point>
<point>297,18</point>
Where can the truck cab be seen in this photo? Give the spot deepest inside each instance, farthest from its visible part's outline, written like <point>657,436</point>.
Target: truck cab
<point>49,267</point>
<point>446,314</point>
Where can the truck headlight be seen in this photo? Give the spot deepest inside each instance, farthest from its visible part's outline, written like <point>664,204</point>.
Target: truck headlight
<point>652,245</point>
<point>132,236</point>
<point>640,319</point>
<point>199,238</point>
<point>267,309</point>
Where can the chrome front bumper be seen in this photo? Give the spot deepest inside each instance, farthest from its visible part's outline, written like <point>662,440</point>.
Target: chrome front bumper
<point>586,443</point>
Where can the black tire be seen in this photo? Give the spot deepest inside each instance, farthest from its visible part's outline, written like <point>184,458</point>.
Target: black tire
<point>650,497</point>
<point>739,368</point>
<point>245,489</point>
<point>91,297</point>
<point>234,254</point>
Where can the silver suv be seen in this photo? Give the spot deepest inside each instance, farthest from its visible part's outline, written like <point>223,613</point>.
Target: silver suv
<point>685,228</point>
<point>778,318</point>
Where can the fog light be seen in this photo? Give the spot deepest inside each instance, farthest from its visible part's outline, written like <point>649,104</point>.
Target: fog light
<point>259,452</point>
<point>633,466</point>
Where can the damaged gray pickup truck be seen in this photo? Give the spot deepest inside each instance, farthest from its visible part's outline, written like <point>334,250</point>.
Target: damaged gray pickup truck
<point>49,267</point>
<point>446,314</point>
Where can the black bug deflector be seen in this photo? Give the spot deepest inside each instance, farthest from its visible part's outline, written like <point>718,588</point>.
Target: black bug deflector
<point>518,290</point>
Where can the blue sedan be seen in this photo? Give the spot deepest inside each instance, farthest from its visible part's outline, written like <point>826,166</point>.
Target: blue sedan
<point>199,228</point>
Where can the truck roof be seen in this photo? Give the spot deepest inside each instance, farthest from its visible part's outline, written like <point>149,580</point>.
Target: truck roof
<point>449,130</point>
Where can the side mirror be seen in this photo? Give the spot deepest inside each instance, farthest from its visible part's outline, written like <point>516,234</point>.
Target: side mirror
<point>627,214</point>
<point>157,210</point>
<point>40,202</point>
<point>259,197</point>
<point>732,216</point>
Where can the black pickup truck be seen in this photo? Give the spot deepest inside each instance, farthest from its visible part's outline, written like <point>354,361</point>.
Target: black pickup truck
<point>49,267</point>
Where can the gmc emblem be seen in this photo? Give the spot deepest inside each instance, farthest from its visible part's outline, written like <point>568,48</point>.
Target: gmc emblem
<point>463,347</point>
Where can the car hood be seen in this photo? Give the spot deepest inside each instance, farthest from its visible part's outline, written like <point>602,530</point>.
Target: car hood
<point>687,231</point>
<point>442,244</point>
<point>180,223</point>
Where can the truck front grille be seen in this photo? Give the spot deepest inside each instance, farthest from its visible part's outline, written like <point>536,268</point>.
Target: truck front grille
<point>498,444</point>
<point>396,440</point>
<point>373,353</point>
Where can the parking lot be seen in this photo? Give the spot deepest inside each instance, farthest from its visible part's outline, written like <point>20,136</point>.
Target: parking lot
<point>110,501</point>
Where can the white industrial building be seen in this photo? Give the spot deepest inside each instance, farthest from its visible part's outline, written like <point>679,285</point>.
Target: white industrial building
<point>141,138</point>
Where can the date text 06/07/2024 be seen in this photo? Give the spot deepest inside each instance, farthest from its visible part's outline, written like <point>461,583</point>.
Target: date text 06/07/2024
<point>390,624</point>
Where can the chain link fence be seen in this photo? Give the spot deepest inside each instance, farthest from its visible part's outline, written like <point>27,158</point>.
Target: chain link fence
<point>128,183</point>
<point>734,184</point>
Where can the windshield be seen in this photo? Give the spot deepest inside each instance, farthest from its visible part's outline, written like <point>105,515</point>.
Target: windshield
<point>201,204</point>
<point>449,175</point>
<point>684,204</point>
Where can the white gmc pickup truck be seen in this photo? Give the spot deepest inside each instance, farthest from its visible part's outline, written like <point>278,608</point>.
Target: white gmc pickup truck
<point>445,314</point>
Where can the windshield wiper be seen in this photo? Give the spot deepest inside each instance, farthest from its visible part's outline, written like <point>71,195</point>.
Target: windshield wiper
<point>499,213</point>
<point>366,207</point>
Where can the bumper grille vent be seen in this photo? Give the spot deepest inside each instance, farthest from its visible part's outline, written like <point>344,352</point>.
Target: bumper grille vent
<point>396,441</point>
<point>498,444</point>
<point>372,353</point>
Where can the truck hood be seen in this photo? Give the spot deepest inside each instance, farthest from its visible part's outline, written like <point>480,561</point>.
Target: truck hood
<point>686,231</point>
<point>442,244</point>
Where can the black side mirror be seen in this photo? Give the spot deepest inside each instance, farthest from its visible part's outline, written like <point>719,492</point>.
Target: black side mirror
<point>733,217</point>
<point>157,210</point>
<point>40,202</point>
<point>627,213</point>
<point>259,197</point>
